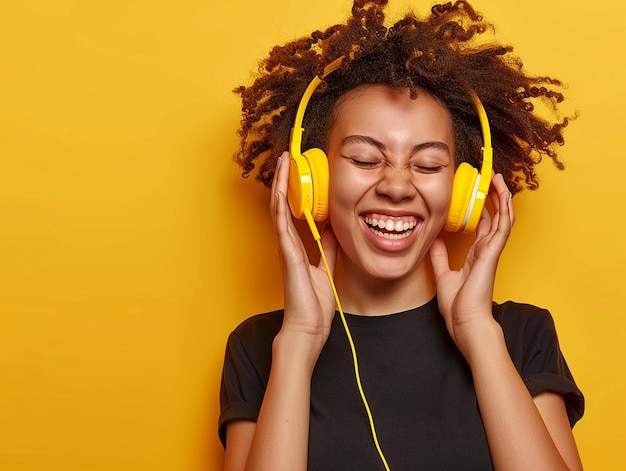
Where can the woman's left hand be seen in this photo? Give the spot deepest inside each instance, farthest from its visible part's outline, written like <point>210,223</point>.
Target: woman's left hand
<point>465,296</point>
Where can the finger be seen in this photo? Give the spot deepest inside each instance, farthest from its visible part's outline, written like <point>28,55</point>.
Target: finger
<point>498,189</point>
<point>280,181</point>
<point>505,208</point>
<point>485,223</point>
<point>281,211</point>
<point>503,218</point>
<point>439,258</point>
<point>278,162</point>
<point>510,207</point>
<point>291,247</point>
<point>488,222</point>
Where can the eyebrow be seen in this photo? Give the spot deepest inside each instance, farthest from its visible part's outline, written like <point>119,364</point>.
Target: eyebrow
<point>359,139</point>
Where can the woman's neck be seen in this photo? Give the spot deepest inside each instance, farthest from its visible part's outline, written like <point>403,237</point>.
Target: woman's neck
<point>368,296</point>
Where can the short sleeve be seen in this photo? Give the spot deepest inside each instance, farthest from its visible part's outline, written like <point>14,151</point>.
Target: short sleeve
<point>246,369</point>
<point>533,344</point>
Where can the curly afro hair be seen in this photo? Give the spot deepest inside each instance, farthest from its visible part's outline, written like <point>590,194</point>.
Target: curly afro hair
<point>436,53</point>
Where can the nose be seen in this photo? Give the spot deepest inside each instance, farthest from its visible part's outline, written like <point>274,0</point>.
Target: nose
<point>396,184</point>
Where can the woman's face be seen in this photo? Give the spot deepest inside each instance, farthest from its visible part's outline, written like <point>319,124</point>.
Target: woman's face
<point>391,163</point>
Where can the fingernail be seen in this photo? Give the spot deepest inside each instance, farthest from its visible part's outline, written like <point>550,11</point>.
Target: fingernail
<point>280,157</point>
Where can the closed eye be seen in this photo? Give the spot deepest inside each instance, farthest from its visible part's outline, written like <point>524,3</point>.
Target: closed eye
<point>364,163</point>
<point>429,169</point>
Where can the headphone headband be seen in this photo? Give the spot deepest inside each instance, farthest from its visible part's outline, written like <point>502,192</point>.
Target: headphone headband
<point>295,143</point>
<point>486,150</point>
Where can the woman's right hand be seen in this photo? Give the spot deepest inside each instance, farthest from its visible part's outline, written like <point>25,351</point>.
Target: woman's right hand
<point>309,301</point>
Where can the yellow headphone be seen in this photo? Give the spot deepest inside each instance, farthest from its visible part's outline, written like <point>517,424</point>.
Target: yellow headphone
<point>308,172</point>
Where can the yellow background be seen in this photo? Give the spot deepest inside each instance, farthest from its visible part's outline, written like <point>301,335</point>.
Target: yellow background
<point>130,247</point>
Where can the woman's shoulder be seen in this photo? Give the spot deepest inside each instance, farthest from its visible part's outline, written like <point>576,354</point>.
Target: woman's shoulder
<point>512,314</point>
<point>260,326</point>
<point>528,329</point>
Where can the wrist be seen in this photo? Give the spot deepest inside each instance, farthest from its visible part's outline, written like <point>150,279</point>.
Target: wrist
<point>297,349</point>
<point>480,340</point>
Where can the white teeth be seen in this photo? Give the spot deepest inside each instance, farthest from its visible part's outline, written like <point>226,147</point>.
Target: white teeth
<point>392,236</point>
<point>393,230</point>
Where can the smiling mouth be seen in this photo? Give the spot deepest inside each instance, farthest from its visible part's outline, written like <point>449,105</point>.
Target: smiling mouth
<point>393,228</point>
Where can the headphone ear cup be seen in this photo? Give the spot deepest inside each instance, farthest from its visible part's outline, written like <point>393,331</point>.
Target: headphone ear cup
<point>300,186</point>
<point>462,195</point>
<point>318,163</point>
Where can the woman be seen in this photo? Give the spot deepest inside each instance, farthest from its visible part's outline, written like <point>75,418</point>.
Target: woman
<point>446,379</point>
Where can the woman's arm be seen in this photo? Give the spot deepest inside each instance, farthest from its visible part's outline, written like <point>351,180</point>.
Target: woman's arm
<point>239,435</point>
<point>523,434</point>
<point>551,406</point>
<point>279,439</point>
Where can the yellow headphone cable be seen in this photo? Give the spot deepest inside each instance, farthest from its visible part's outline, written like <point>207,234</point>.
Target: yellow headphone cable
<point>355,360</point>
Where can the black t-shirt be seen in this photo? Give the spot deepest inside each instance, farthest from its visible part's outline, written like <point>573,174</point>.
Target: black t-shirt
<point>416,381</point>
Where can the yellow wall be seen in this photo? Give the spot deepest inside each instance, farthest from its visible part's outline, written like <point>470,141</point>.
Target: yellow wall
<point>130,247</point>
